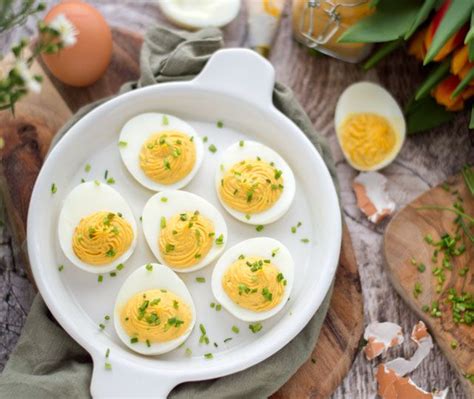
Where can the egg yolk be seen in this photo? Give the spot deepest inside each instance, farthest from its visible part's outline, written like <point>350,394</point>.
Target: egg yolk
<point>168,156</point>
<point>367,139</point>
<point>185,239</point>
<point>251,186</point>
<point>254,283</point>
<point>102,237</point>
<point>155,316</point>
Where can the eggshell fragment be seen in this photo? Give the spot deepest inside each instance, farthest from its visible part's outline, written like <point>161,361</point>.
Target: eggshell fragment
<point>424,341</point>
<point>393,386</point>
<point>372,197</point>
<point>380,337</point>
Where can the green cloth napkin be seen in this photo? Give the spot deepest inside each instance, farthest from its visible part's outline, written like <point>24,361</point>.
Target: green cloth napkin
<point>47,363</point>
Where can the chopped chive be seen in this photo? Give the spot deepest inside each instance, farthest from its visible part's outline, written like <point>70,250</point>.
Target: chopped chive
<point>247,216</point>
<point>133,340</point>
<point>149,267</point>
<point>235,329</point>
<point>100,278</point>
<point>61,268</point>
<point>164,199</point>
<point>106,174</point>
<point>87,168</point>
<point>188,352</point>
<point>202,328</point>
<point>227,340</point>
<point>204,139</point>
<point>241,143</point>
<point>54,188</point>
<point>213,148</point>
<point>163,222</point>
<point>122,144</point>
<point>208,355</point>
<point>255,328</point>
<point>113,274</point>
<point>305,240</point>
<point>200,279</point>
<point>220,240</point>
<point>108,366</point>
<point>165,120</point>
<point>110,180</point>
<point>120,266</point>
<point>148,343</point>
<point>102,326</point>
<point>218,307</point>
<point>220,124</point>
<point>107,317</point>
<point>97,182</point>
<point>259,228</point>
<point>212,305</point>
<point>107,353</point>
<point>274,252</point>
<point>417,290</point>
<point>421,267</point>
<point>293,229</point>
<point>454,344</point>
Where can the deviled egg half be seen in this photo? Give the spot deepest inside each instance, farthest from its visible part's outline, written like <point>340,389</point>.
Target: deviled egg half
<point>254,183</point>
<point>370,126</point>
<point>96,229</point>
<point>160,151</point>
<point>154,312</point>
<point>183,230</point>
<point>253,279</point>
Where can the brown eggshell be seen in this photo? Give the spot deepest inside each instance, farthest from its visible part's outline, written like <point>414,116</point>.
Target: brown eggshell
<point>86,61</point>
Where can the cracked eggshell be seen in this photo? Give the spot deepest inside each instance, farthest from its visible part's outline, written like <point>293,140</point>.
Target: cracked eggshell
<point>380,337</point>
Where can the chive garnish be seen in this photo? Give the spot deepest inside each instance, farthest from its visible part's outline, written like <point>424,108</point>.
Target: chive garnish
<point>110,180</point>
<point>122,144</point>
<point>149,267</point>
<point>102,326</point>
<point>164,199</point>
<point>218,307</point>
<point>220,124</point>
<point>212,148</point>
<point>148,343</point>
<point>169,247</point>
<point>204,139</point>
<point>293,229</point>
<point>208,355</point>
<point>113,274</point>
<point>100,278</point>
<point>54,188</point>
<point>305,240</point>
<point>220,240</point>
<point>61,268</point>
<point>255,328</point>
<point>107,317</point>
<point>163,222</point>
<point>133,340</point>
<point>97,182</point>
<point>87,168</point>
<point>120,266</point>
<point>235,329</point>
<point>188,352</point>
<point>200,279</point>
<point>259,228</point>
<point>212,305</point>
<point>247,216</point>
<point>227,340</point>
<point>241,143</point>
<point>165,120</point>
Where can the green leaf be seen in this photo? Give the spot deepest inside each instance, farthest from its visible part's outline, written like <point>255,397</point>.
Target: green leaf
<point>469,39</point>
<point>382,52</point>
<point>460,87</point>
<point>468,174</point>
<point>423,13</point>
<point>433,79</point>
<point>471,122</point>
<point>391,20</point>
<point>426,114</point>
<point>456,16</point>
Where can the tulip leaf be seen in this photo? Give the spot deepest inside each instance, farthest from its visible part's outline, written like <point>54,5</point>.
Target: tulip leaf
<point>423,13</point>
<point>469,39</point>
<point>456,16</point>
<point>384,50</point>
<point>426,114</point>
<point>391,20</point>
<point>460,87</point>
<point>471,122</point>
<point>438,73</point>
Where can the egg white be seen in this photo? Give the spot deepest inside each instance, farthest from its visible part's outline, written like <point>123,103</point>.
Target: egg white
<point>180,202</point>
<point>160,277</point>
<point>367,97</point>
<point>84,200</point>
<point>261,247</point>
<point>251,150</point>
<point>197,14</point>
<point>137,131</point>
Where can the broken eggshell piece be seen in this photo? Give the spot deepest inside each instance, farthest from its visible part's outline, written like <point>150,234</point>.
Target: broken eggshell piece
<point>372,197</point>
<point>380,337</point>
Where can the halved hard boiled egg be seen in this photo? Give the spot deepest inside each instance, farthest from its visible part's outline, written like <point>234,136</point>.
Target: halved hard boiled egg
<point>195,14</point>
<point>183,230</point>
<point>253,279</point>
<point>254,183</point>
<point>96,229</point>
<point>154,312</point>
<point>370,126</point>
<point>162,152</point>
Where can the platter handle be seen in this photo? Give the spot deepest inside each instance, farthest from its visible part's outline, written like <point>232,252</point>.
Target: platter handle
<point>241,73</point>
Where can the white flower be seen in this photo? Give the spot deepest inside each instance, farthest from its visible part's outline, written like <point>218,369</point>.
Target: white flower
<point>67,31</point>
<point>29,80</point>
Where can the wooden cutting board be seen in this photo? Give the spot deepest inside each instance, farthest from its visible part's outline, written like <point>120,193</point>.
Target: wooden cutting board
<point>404,239</point>
<point>27,138</point>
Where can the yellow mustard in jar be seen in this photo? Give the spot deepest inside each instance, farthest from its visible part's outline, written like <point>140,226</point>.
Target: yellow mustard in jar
<point>185,239</point>
<point>102,237</point>
<point>367,139</point>
<point>155,316</point>
<point>254,283</point>
<point>168,156</point>
<point>251,186</point>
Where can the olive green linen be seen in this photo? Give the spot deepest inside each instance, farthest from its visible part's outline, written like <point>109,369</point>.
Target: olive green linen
<point>47,363</point>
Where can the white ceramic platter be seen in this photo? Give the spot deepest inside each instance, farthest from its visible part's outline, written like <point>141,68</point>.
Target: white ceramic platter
<point>235,87</point>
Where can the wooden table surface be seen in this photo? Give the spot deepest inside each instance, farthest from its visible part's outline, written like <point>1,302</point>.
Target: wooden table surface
<point>425,160</point>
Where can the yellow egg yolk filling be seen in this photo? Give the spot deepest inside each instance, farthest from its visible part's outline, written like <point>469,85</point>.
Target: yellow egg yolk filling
<point>102,237</point>
<point>251,186</point>
<point>254,283</point>
<point>168,156</point>
<point>367,139</point>
<point>155,316</point>
<point>185,239</point>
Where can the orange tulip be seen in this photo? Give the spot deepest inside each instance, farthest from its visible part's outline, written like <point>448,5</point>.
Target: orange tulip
<point>442,94</point>
<point>460,59</point>
<point>417,45</point>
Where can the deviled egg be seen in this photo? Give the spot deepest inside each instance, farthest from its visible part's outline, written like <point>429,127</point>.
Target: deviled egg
<point>154,312</point>
<point>183,230</point>
<point>253,279</point>
<point>254,183</point>
<point>370,126</point>
<point>96,229</point>
<point>160,151</point>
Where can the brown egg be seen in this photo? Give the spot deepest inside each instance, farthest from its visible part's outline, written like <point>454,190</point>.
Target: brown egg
<point>86,61</point>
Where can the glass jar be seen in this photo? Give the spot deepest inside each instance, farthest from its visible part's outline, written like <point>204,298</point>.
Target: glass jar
<point>318,24</point>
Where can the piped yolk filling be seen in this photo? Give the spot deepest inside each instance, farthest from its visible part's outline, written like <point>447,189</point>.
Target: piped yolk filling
<point>367,139</point>
<point>102,237</point>
<point>251,186</point>
<point>254,283</point>
<point>185,239</point>
<point>168,156</point>
<point>155,316</point>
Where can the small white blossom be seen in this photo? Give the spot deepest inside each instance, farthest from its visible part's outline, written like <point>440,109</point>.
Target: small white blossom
<point>29,80</point>
<point>67,31</point>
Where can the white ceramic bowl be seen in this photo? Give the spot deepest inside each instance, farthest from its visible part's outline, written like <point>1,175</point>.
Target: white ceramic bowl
<point>235,87</point>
